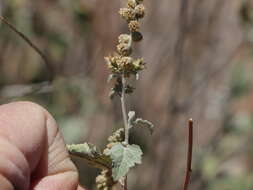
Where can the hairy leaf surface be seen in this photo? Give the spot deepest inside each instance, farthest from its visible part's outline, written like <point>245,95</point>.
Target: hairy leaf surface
<point>123,158</point>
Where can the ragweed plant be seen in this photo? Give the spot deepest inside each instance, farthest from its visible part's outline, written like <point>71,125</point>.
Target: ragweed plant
<point>119,156</point>
<point>122,67</point>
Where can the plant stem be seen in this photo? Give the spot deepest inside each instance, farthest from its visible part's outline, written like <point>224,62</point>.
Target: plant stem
<point>189,155</point>
<point>125,183</point>
<point>124,112</point>
<point>123,107</point>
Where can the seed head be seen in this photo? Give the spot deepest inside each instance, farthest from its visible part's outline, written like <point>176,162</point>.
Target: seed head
<point>137,36</point>
<point>125,61</point>
<point>134,26</point>
<point>124,49</point>
<point>139,11</point>
<point>124,38</point>
<point>127,14</point>
<point>131,4</point>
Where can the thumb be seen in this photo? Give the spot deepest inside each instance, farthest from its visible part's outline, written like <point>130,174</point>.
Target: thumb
<point>33,153</point>
<point>55,171</point>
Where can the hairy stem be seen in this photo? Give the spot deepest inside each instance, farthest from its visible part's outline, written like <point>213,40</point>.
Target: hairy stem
<point>125,183</point>
<point>189,155</point>
<point>123,107</point>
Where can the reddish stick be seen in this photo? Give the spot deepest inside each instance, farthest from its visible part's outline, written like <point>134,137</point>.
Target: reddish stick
<point>189,155</point>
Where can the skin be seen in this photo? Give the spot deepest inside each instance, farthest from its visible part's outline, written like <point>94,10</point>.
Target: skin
<point>33,155</point>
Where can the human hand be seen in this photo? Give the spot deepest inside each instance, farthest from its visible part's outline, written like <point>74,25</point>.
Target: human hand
<point>33,155</point>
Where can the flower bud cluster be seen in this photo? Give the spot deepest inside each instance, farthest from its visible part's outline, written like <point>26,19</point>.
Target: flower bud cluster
<point>104,181</point>
<point>126,65</point>
<point>132,13</point>
<point>122,66</point>
<point>121,63</point>
<point>124,47</point>
<point>117,136</point>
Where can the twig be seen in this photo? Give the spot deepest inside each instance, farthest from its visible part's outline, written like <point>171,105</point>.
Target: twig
<point>32,45</point>
<point>189,155</point>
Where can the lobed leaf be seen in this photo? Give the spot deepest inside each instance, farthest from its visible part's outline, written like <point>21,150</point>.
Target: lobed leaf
<point>124,158</point>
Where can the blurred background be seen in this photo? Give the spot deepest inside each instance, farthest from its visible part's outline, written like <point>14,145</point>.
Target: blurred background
<point>200,62</point>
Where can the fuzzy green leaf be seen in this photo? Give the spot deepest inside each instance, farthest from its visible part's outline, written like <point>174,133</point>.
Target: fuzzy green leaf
<point>91,154</point>
<point>123,158</point>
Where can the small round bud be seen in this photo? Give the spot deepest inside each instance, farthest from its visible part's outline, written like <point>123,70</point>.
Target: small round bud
<point>100,179</point>
<point>104,181</point>
<point>139,64</point>
<point>124,38</point>
<point>131,3</point>
<point>137,36</point>
<point>112,62</point>
<point>124,49</point>
<point>139,11</point>
<point>126,60</point>
<point>127,14</point>
<point>134,26</point>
